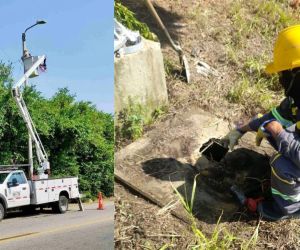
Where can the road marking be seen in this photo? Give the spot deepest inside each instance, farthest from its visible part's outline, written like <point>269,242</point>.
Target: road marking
<point>17,236</point>
<point>34,234</point>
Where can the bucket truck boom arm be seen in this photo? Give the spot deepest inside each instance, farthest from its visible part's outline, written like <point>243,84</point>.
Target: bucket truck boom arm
<point>17,94</point>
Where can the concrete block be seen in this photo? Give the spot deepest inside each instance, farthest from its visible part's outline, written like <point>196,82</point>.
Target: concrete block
<point>141,77</point>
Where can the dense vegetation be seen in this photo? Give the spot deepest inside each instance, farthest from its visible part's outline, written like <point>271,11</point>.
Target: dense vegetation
<point>77,137</point>
<point>128,19</point>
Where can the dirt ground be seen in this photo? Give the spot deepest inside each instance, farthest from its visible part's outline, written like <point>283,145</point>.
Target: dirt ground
<point>146,226</point>
<point>203,29</point>
<point>165,159</point>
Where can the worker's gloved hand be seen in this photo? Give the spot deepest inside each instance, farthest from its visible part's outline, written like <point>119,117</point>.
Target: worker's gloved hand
<point>232,138</point>
<point>260,135</point>
<point>262,132</point>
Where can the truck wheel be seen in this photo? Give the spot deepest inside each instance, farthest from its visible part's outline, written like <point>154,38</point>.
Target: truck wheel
<point>2,212</point>
<point>61,206</point>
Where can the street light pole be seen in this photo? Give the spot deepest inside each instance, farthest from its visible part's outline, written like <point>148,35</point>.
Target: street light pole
<point>26,54</point>
<point>24,48</point>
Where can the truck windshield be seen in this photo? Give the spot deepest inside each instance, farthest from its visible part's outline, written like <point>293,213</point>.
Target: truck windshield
<point>3,177</point>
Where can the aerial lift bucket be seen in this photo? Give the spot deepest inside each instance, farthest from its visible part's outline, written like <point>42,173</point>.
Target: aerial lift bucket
<point>28,63</point>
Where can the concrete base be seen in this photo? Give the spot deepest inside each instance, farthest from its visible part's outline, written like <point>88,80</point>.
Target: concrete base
<point>140,77</point>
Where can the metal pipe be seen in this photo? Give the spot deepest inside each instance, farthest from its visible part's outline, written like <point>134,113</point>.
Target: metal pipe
<point>30,156</point>
<point>14,165</point>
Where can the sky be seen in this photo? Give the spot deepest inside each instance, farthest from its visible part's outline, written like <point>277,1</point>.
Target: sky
<point>77,41</point>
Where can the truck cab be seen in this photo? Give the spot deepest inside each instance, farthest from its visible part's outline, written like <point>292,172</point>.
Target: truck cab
<point>14,189</point>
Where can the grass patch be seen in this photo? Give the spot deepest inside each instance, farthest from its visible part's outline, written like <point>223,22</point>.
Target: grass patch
<point>220,238</point>
<point>133,118</point>
<point>242,24</point>
<point>255,25</point>
<point>255,88</point>
<point>254,67</point>
<point>232,55</point>
<point>272,16</point>
<point>265,17</point>
<point>252,95</point>
<point>170,67</point>
<point>256,20</point>
<point>195,14</point>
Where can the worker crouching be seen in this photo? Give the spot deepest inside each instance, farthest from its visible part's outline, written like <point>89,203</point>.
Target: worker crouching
<point>281,127</point>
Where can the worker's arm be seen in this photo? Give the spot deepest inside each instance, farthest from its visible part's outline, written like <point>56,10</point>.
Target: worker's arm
<point>232,138</point>
<point>281,113</point>
<point>255,123</point>
<point>287,140</point>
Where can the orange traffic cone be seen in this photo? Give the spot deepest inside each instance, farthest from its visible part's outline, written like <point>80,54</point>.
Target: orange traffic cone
<point>100,202</point>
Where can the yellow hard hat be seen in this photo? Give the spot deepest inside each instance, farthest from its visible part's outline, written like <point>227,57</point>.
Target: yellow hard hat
<point>286,54</point>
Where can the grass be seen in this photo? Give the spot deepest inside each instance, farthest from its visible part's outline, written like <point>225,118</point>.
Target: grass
<point>255,25</point>
<point>265,17</point>
<point>255,88</point>
<point>252,95</point>
<point>231,54</point>
<point>220,237</point>
<point>133,119</point>
<point>276,14</point>
<point>255,70</point>
<point>196,14</point>
<point>170,67</point>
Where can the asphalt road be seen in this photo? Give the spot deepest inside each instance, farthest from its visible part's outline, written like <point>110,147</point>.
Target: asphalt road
<point>91,229</point>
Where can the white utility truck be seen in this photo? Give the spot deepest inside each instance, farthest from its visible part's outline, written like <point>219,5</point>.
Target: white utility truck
<point>16,191</point>
<point>19,186</point>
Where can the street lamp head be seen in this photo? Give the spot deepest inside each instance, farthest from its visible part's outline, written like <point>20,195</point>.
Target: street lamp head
<point>36,23</point>
<point>41,22</point>
<point>25,50</point>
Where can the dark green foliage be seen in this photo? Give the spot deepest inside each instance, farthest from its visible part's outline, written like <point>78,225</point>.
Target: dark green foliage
<point>77,137</point>
<point>128,19</point>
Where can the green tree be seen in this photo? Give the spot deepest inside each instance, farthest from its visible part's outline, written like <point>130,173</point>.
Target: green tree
<point>78,138</point>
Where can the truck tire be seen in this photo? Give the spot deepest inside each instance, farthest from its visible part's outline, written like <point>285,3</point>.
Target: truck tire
<point>61,206</point>
<point>2,212</point>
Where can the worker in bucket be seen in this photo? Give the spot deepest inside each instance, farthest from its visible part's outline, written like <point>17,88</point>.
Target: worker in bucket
<point>281,127</point>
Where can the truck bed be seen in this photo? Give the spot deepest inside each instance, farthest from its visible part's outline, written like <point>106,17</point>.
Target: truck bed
<point>48,190</point>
